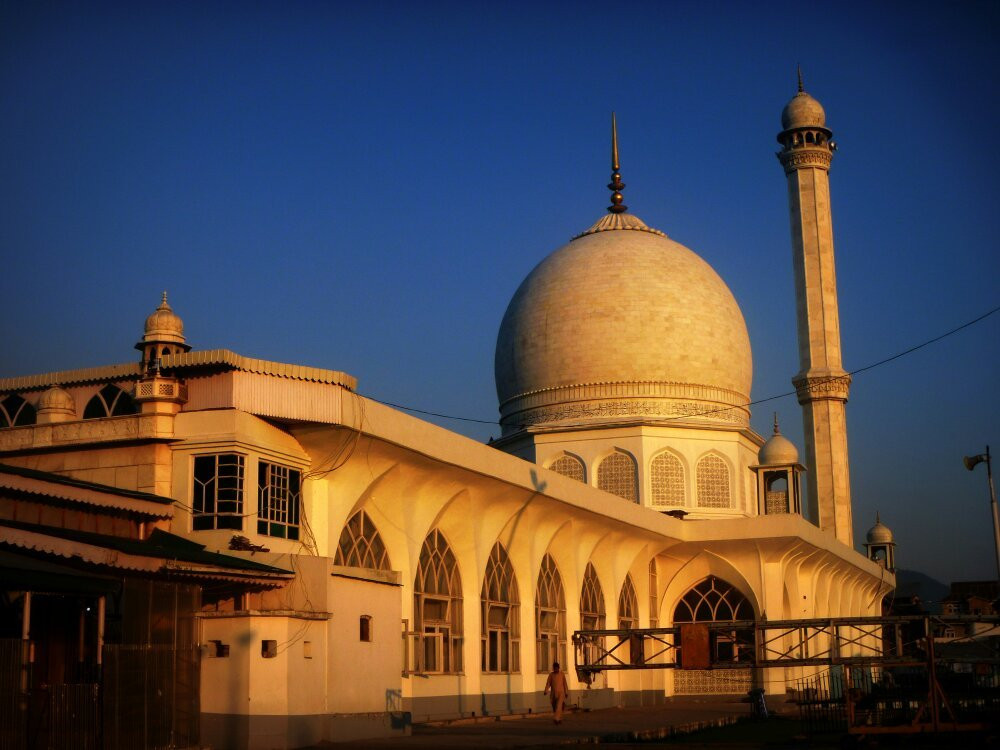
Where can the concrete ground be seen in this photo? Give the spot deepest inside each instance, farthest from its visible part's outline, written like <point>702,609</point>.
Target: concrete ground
<point>614,725</point>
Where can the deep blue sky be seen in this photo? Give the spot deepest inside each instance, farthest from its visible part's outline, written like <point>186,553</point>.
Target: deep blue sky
<point>362,186</point>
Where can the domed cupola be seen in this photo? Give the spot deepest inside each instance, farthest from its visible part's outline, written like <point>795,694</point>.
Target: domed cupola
<point>881,545</point>
<point>164,334</point>
<point>622,325</point>
<point>55,405</point>
<point>778,450</point>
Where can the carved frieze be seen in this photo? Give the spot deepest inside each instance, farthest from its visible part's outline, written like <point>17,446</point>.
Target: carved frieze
<point>822,387</point>
<point>807,157</point>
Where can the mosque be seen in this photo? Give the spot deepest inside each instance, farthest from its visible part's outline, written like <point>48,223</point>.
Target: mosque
<point>339,568</point>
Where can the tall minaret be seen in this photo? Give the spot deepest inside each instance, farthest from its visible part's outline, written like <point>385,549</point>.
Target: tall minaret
<point>822,384</point>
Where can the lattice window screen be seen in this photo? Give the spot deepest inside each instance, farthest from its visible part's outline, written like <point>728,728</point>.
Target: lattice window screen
<point>569,466</point>
<point>667,479</point>
<point>616,474</point>
<point>713,483</point>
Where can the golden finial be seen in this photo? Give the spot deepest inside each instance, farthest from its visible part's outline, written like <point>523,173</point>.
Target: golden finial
<point>776,430</point>
<point>616,185</point>
<point>799,68</point>
<point>163,300</point>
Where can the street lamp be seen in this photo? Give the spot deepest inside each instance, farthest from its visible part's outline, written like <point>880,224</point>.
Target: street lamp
<point>970,463</point>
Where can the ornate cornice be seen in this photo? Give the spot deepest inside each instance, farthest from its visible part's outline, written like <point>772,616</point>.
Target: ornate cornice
<point>799,158</point>
<point>590,402</point>
<point>832,387</point>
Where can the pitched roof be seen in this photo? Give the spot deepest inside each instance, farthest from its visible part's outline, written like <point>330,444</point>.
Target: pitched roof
<point>32,482</point>
<point>162,552</point>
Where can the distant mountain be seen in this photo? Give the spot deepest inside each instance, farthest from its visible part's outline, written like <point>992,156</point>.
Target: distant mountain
<point>915,583</point>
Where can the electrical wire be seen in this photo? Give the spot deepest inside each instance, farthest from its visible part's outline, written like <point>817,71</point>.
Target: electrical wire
<point>708,412</point>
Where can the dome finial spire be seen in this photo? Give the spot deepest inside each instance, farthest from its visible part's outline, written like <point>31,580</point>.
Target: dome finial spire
<point>163,300</point>
<point>801,88</point>
<point>616,185</point>
<point>776,430</point>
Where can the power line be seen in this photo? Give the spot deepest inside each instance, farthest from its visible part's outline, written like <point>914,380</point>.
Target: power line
<point>859,370</point>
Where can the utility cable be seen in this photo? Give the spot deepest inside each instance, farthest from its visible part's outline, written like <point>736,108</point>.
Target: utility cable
<point>857,371</point>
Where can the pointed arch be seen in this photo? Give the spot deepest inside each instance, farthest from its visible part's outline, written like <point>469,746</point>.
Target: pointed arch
<point>715,600</point>
<point>110,401</point>
<point>500,639</point>
<point>617,474</point>
<point>713,479</point>
<point>361,545</point>
<point>667,480</point>
<point>437,608</point>
<point>592,611</point>
<point>628,606</point>
<point>16,412</point>
<point>570,466</point>
<point>550,616</point>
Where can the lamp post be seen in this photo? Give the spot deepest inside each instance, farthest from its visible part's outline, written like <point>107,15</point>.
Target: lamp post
<point>970,464</point>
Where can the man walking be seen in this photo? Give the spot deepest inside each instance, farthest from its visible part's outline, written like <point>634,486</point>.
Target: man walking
<point>557,689</point>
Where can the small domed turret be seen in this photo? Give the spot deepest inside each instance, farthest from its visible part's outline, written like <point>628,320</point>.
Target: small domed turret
<point>55,405</point>
<point>879,533</point>
<point>778,450</point>
<point>803,112</point>
<point>164,334</point>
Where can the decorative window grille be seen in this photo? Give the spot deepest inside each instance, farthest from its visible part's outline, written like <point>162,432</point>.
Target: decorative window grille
<point>15,412</point>
<point>569,466</point>
<point>713,483</point>
<point>500,638</point>
<point>217,499</point>
<point>279,497</point>
<point>617,474</point>
<point>628,606</point>
<point>437,607</point>
<point>667,479</point>
<point>714,600</point>
<point>776,495</point>
<point>360,545</point>
<point>592,613</point>
<point>550,616</point>
<point>628,615</point>
<point>110,401</point>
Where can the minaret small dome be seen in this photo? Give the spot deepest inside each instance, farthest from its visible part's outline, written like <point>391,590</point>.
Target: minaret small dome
<point>803,112</point>
<point>56,399</point>
<point>879,533</point>
<point>778,450</point>
<point>163,326</point>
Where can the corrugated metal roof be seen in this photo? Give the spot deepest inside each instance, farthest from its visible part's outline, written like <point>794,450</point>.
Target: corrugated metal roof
<point>67,489</point>
<point>221,359</point>
<point>162,552</point>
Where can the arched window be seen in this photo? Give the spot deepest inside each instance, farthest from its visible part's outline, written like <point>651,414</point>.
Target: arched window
<point>15,412</point>
<point>110,401</point>
<point>591,601</point>
<point>592,613</point>
<point>628,606</point>
<point>666,474</point>
<point>569,466</point>
<point>776,493</point>
<point>616,474</point>
<point>437,607</point>
<point>500,643</point>
<point>713,483</point>
<point>714,600</point>
<point>361,546</point>
<point>550,616</point>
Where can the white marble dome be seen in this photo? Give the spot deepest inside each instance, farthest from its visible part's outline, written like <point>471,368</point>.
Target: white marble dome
<point>803,112</point>
<point>164,325</point>
<point>778,451</point>
<point>622,323</point>
<point>879,533</point>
